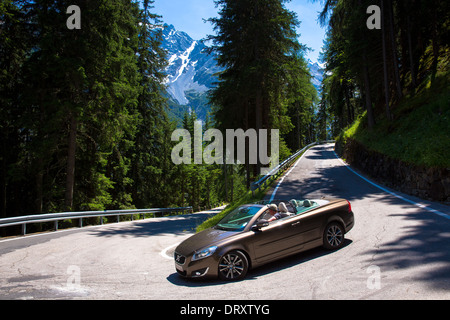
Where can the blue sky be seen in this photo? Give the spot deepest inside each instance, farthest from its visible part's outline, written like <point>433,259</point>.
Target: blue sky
<point>188,15</point>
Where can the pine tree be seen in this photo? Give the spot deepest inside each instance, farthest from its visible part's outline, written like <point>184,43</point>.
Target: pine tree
<point>78,88</point>
<point>151,168</point>
<point>256,42</point>
<point>13,133</point>
<point>382,66</point>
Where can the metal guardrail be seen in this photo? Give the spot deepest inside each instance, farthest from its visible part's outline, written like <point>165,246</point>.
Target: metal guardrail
<point>286,163</point>
<point>56,217</point>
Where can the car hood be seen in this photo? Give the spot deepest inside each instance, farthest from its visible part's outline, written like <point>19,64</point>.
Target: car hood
<point>204,239</point>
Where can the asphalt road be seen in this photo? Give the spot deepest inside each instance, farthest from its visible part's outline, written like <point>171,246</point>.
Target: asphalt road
<point>397,250</point>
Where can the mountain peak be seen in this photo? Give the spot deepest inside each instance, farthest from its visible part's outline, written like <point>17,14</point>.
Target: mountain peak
<point>192,72</point>
<point>190,68</point>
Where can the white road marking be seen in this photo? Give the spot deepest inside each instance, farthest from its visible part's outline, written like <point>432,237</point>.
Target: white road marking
<point>164,254</point>
<point>441,214</point>
<point>437,212</point>
<point>282,179</point>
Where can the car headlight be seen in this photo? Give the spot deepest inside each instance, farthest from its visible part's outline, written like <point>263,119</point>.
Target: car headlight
<point>204,253</point>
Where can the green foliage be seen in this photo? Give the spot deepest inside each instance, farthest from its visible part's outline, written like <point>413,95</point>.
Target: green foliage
<point>203,185</point>
<point>266,82</point>
<point>89,131</point>
<point>375,79</point>
<point>419,132</point>
<point>85,122</point>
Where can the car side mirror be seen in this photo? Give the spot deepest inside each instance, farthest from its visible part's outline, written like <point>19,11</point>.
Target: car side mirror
<point>260,224</point>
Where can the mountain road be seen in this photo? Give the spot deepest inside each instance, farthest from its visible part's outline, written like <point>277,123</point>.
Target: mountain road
<point>398,249</point>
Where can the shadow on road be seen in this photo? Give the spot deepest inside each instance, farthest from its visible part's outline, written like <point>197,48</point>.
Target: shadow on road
<point>425,244</point>
<point>424,239</point>
<point>291,261</point>
<point>176,225</point>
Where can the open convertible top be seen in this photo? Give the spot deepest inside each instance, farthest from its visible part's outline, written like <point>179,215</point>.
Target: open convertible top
<point>297,206</point>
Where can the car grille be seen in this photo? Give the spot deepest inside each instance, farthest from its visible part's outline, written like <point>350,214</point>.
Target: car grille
<point>179,258</point>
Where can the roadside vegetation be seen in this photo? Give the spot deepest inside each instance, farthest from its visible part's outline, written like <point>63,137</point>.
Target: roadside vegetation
<point>85,125</point>
<point>419,133</point>
<point>84,119</point>
<point>388,87</point>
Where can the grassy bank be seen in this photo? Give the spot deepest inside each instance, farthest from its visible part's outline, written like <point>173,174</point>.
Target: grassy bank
<point>419,134</point>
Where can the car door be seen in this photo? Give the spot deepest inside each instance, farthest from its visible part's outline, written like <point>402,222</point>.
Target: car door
<point>278,239</point>
<point>310,228</point>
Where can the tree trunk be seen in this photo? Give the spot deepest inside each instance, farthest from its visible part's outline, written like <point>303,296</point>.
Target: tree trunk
<point>3,189</point>
<point>348,103</point>
<point>436,48</point>
<point>39,186</point>
<point>247,164</point>
<point>232,185</point>
<point>370,117</point>
<point>411,55</point>
<point>70,178</point>
<point>385,70</point>
<point>258,126</point>
<point>394,50</point>
<point>225,173</point>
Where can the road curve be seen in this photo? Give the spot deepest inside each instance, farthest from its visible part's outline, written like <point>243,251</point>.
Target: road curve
<point>397,250</point>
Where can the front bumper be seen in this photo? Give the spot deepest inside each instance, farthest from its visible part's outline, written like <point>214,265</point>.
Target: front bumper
<point>203,268</point>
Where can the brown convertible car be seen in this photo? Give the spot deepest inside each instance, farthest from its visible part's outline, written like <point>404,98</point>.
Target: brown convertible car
<point>255,234</point>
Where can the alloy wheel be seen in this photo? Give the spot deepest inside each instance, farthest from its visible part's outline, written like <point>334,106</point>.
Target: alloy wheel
<point>233,266</point>
<point>333,236</point>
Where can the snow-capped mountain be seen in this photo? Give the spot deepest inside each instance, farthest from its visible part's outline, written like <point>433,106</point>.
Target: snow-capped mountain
<point>192,72</point>
<point>317,74</point>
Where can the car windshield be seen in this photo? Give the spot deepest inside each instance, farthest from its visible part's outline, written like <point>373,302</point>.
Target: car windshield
<point>237,219</point>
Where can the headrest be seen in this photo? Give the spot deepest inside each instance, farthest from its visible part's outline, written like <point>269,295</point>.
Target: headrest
<point>282,207</point>
<point>307,203</point>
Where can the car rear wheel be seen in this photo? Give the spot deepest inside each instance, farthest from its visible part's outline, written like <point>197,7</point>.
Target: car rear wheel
<point>233,266</point>
<point>333,236</point>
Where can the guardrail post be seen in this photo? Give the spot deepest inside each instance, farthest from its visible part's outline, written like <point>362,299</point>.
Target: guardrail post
<point>56,225</point>
<point>24,229</point>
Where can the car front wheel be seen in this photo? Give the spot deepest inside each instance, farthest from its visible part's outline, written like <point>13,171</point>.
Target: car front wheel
<point>333,236</point>
<point>233,266</point>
